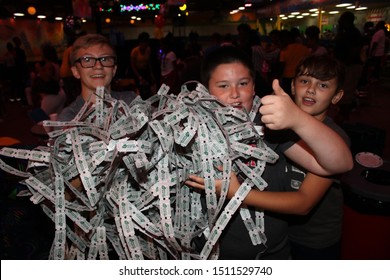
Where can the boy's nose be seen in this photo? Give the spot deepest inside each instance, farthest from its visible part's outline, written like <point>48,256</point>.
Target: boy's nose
<point>310,89</point>
<point>234,93</point>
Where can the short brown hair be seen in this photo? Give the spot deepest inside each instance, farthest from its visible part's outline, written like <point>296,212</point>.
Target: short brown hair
<point>322,67</point>
<point>87,41</point>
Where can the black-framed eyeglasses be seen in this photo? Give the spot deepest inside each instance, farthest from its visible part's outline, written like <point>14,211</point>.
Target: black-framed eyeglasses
<point>89,61</point>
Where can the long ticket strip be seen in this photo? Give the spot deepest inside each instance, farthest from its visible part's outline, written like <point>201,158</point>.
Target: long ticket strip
<point>113,179</point>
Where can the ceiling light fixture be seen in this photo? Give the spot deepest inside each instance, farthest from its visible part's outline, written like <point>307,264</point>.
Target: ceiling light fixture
<point>341,5</point>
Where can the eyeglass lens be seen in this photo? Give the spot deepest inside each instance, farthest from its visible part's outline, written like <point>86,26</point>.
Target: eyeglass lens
<point>106,61</point>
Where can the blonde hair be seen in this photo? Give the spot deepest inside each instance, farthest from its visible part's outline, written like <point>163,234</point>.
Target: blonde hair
<point>88,41</point>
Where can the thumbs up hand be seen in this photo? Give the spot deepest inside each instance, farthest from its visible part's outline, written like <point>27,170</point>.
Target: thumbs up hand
<point>279,110</point>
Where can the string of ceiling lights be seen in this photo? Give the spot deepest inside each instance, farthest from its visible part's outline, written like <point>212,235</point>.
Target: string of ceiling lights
<point>122,9</point>
<point>32,11</point>
<point>315,11</point>
<point>155,7</point>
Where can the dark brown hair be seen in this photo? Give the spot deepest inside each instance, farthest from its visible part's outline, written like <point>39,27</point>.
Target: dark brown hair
<point>322,67</point>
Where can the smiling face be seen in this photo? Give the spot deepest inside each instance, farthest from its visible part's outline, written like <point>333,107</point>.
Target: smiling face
<point>314,96</point>
<point>232,84</point>
<point>96,76</point>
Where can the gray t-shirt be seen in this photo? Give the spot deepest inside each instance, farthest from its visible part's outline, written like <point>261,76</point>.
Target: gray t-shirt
<point>323,225</point>
<point>69,112</point>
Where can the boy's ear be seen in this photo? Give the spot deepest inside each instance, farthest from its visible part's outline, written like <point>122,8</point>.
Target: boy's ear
<point>292,88</point>
<point>75,72</point>
<point>336,98</point>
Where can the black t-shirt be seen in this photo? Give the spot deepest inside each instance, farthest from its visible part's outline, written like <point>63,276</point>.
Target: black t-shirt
<point>235,242</point>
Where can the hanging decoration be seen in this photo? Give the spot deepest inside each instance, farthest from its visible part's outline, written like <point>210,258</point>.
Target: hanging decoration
<point>139,7</point>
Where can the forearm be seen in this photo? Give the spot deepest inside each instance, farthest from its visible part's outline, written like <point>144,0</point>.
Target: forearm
<point>279,202</point>
<point>299,202</point>
<point>331,154</point>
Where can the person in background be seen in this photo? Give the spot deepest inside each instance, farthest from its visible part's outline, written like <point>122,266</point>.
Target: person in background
<point>229,76</point>
<point>263,57</point>
<point>141,66</point>
<point>193,47</point>
<point>46,85</point>
<point>168,64</point>
<point>291,53</point>
<point>71,85</point>
<point>368,31</point>
<point>347,49</point>
<point>296,33</point>
<point>317,234</point>
<point>216,40</point>
<point>10,72</point>
<point>246,38</point>
<point>377,50</point>
<point>93,61</point>
<point>189,66</point>
<point>313,41</point>
<point>21,69</point>
<point>227,40</point>
<point>274,46</point>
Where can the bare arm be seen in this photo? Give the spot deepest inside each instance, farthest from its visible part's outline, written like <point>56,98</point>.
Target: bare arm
<point>294,202</point>
<point>321,151</point>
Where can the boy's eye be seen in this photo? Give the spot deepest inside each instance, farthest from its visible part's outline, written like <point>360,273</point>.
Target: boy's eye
<point>323,86</point>
<point>222,86</point>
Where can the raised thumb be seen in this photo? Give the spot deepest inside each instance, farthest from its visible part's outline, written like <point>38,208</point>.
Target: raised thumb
<point>277,88</point>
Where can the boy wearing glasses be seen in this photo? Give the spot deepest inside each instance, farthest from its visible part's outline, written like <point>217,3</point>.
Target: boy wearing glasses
<point>93,61</point>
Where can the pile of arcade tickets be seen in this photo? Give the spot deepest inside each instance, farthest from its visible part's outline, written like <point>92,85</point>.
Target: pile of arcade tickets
<point>113,179</point>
